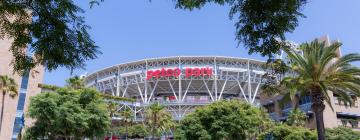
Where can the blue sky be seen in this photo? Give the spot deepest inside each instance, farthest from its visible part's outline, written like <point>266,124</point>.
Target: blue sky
<point>129,30</point>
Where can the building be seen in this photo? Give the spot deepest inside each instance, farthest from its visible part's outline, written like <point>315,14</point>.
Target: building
<point>180,83</point>
<point>14,118</point>
<point>185,82</point>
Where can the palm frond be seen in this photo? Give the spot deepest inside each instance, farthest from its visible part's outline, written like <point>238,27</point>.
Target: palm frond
<point>344,61</point>
<point>8,85</point>
<point>328,55</point>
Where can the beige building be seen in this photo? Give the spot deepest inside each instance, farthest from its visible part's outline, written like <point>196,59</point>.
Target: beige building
<point>14,108</point>
<point>343,114</point>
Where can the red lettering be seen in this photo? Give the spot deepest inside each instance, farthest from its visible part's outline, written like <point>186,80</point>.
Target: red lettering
<point>209,71</point>
<point>202,72</point>
<point>157,74</point>
<point>177,72</point>
<point>196,72</point>
<point>163,73</point>
<point>169,72</point>
<point>188,72</point>
<point>149,74</point>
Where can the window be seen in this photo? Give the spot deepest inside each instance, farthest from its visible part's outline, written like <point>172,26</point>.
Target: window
<point>304,100</point>
<point>21,102</point>
<point>354,123</point>
<point>24,81</point>
<point>270,108</point>
<point>344,123</point>
<point>19,119</point>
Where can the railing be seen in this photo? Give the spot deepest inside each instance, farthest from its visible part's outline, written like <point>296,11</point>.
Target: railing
<point>350,123</point>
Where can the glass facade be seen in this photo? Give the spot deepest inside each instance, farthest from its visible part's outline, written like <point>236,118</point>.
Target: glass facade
<point>19,118</point>
<point>304,100</point>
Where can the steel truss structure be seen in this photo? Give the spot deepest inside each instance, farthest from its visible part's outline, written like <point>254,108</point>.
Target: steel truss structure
<point>232,78</point>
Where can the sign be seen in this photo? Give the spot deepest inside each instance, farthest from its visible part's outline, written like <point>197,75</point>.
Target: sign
<point>176,72</point>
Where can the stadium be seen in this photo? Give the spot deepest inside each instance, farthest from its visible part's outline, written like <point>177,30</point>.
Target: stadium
<point>180,83</point>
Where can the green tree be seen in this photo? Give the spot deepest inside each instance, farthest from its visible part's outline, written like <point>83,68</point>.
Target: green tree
<point>7,86</point>
<point>126,118</point>
<point>58,36</point>
<point>296,118</point>
<point>167,124</point>
<point>285,132</point>
<point>138,131</point>
<point>69,114</point>
<point>53,30</point>
<point>316,71</point>
<point>156,117</point>
<point>112,108</point>
<point>75,82</point>
<point>342,133</point>
<point>230,120</point>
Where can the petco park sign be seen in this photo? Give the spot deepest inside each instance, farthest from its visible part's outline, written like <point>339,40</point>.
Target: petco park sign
<point>175,72</point>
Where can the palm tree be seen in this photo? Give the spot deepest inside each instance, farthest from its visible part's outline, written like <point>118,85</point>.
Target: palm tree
<point>127,119</point>
<point>166,123</point>
<point>112,108</point>
<point>7,86</point>
<point>319,70</point>
<point>75,82</point>
<point>296,117</point>
<point>157,118</point>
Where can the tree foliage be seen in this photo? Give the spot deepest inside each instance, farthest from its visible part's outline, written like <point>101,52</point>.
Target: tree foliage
<point>231,120</point>
<point>296,118</point>
<point>126,119</point>
<point>138,131</point>
<point>52,30</point>
<point>260,24</point>
<point>68,113</point>
<point>158,119</point>
<point>58,35</point>
<point>342,133</point>
<point>75,82</point>
<point>285,132</point>
<point>112,108</point>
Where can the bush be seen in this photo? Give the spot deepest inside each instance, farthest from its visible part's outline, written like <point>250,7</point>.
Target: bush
<point>342,133</point>
<point>285,132</point>
<point>231,120</point>
<point>138,131</point>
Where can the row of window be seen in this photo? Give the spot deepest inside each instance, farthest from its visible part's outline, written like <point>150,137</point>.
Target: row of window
<point>352,123</point>
<point>19,119</point>
<point>307,99</point>
<point>303,100</point>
